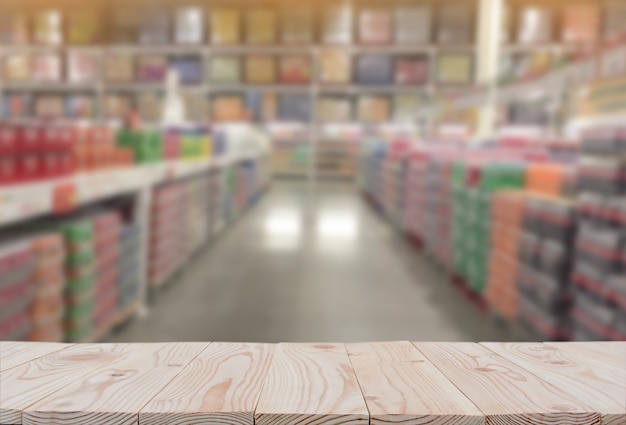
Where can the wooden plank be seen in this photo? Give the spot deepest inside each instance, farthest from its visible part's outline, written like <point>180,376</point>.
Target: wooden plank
<point>603,388</point>
<point>503,391</point>
<point>401,386</point>
<point>602,351</point>
<point>222,385</point>
<point>311,384</point>
<point>116,394</point>
<point>15,353</point>
<point>24,385</point>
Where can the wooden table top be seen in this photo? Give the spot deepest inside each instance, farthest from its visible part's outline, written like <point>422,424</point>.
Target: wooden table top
<point>313,384</point>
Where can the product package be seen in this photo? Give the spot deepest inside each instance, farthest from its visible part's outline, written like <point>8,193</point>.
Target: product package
<point>149,106</point>
<point>16,67</point>
<point>83,67</point>
<point>260,69</point>
<point>535,25</point>
<point>373,109</point>
<point>405,107</point>
<point>119,67</point>
<point>189,25</point>
<point>455,68</point>
<point>581,23</point>
<point>15,105</point>
<point>335,66</point>
<point>295,69</point>
<point>84,26</point>
<point>374,69</point>
<point>413,24</point>
<point>260,26</point>
<point>46,67</point>
<point>294,107</point>
<point>13,26</point>
<point>224,69</point>
<point>117,106</point>
<point>81,107</point>
<point>375,25</point>
<point>411,70</point>
<point>151,68</point>
<point>228,108</point>
<point>337,24</point>
<point>297,25</point>
<point>49,106</point>
<point>334,109</point>
<point>197,106</point>
<point>455,24</point>
<point>48,27</point>
<point>270,106</point>
<point>188,68</point>
<point>225,26</point>
<point>154,25</point>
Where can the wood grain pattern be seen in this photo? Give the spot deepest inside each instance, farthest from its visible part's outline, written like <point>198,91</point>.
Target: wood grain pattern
<point>602,388</point>
<point>24,385</point>
<point>221,386</point>
<point>15,353</point>
<point>504,392</point>
<point>608,353</point>
<point>401,386</point>
<point>311,384</point>
<point>114,395</point>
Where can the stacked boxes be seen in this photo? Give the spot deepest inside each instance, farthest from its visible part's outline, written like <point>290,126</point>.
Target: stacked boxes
<point>80,274</point>
<point>599,275</point>
<point>146,146</point>
<point>107,228</point>
<point>545,256</point>
<point>393,193</point>
<point>16,289</point>
<point>507,212</point>
<point>474,182</point>
<point>197,199</point>
<point>48,306</point>
<point>29,153</point>
<point>167,233</point>
<point>129,265</point>
<point>439,200</point>
<point>416,191</point>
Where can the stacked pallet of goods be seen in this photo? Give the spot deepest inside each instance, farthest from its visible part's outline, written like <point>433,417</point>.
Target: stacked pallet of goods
<point>474,182</point>
<point>107,229</point>
<point>17,261</point>
<point>599,310</point>
<point>507,212</point>
<point>80,268</point>
<point>416,192</point>
<point>545,253</point>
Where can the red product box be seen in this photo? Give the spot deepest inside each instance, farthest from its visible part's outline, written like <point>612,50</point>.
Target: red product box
<point>8,140</point>
<point>29,167</point>
<point>171,145</point>
<point>30,139</point>
<point>50,165</point>
<point>8,169</point>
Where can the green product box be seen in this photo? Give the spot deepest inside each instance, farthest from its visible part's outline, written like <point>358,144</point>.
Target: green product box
<point>78,334</point>
<point>81,257</point>
<point>80,285</point>
<point>146,145</point>
<point>77,231</point>
<point>80,313</point>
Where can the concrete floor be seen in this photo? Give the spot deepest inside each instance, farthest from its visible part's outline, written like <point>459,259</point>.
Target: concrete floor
<point>311,263</point>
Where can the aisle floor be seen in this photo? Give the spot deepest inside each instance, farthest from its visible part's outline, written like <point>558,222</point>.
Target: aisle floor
<point>310,263</point>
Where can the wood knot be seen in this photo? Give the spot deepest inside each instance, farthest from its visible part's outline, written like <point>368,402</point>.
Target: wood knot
<point>174,365</point>
<point>117,374</point>
<point>484,369</point>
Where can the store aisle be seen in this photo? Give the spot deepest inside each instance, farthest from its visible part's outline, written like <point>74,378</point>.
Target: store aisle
<point>310,263</point>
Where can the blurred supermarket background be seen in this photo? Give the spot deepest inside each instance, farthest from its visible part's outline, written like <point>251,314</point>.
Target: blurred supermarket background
<point>269,170</point>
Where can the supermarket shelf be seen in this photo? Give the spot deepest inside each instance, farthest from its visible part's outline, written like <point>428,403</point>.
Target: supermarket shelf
<point>49,86</point>
<point>353,89</point>
<point>21,202</point>
<point>280,88</point>
<point>120,318</point>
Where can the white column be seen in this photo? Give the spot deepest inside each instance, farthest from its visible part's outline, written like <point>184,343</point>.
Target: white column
<point>489,24</point>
